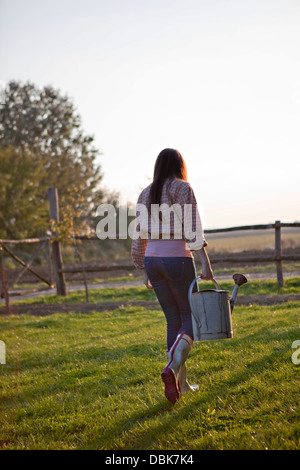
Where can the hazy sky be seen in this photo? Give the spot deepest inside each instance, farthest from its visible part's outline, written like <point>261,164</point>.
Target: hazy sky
<point>217,79</point>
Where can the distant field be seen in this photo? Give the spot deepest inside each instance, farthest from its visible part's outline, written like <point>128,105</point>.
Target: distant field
<point>252,240</point>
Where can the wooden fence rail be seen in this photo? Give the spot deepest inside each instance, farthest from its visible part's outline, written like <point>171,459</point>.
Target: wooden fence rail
<point>277,224</point>
<point>44,242</point>
<point>5,285</point>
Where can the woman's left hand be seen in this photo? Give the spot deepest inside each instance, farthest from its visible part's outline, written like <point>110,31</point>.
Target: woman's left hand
<point>146,281</point>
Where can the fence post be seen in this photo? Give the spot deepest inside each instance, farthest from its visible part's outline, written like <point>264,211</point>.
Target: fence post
<point>3,283</point>
<point>278,253</point>
<point>49,260</point>
<point>56,248</point>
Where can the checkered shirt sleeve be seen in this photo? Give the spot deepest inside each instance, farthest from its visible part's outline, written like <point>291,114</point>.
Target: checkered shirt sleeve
<point>139,244</point>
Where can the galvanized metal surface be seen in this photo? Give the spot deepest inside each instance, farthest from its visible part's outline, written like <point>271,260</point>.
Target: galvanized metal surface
<point>211,314</point>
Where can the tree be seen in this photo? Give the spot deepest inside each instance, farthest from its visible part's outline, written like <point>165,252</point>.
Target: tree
<point>44,129</point>
<point>20,205</point>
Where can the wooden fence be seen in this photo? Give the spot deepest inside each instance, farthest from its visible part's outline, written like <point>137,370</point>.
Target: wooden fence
<point>277,257</point>
<point>43,243</point>
<point>57,270</point>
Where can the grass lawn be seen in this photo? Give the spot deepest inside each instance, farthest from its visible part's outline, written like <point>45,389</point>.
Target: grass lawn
<point>92,381</point>
<point>255,287</point>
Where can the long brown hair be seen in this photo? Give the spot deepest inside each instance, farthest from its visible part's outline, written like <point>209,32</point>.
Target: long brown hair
<point>169,164</point>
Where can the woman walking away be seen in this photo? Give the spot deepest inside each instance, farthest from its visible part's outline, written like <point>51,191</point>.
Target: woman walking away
<point>168,231</point>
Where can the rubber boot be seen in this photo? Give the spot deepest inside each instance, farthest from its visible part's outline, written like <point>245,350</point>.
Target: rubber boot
<point>178,354</point>
<point>184,386</point>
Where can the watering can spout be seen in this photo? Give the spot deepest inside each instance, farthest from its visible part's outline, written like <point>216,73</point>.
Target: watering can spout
<point>239,280</point>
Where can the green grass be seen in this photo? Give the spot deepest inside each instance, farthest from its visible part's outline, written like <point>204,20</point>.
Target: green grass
<point>218,271</point>
<point>254,287</point>
<point>76,381</point>
<point>95,295</point>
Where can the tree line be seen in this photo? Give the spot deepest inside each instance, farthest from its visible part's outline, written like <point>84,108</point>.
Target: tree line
<point>42,145</point>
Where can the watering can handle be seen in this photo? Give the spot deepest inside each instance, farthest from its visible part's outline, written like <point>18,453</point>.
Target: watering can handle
<point>213,280</point>
<point>216,284</point>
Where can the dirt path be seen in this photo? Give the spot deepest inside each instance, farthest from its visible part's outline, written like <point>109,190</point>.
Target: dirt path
<point>138,282</point>
<point>48,309</point>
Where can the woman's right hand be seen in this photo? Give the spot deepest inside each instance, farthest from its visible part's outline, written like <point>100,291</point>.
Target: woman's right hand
<point>207,273</point>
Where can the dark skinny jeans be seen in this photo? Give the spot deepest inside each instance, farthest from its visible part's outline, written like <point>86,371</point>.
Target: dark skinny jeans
<point>171,279</point>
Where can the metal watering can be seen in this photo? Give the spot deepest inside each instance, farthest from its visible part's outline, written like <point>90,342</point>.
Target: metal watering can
<point>212,309</point>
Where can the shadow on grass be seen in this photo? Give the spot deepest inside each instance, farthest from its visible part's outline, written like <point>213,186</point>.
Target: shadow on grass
<point>80,377</point>
<point>148,428</point>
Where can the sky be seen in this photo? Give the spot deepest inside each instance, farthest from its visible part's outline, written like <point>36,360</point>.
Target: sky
<point>219,80</point>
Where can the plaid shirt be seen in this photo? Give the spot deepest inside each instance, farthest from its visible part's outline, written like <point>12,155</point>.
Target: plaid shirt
<point>176,218</point>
